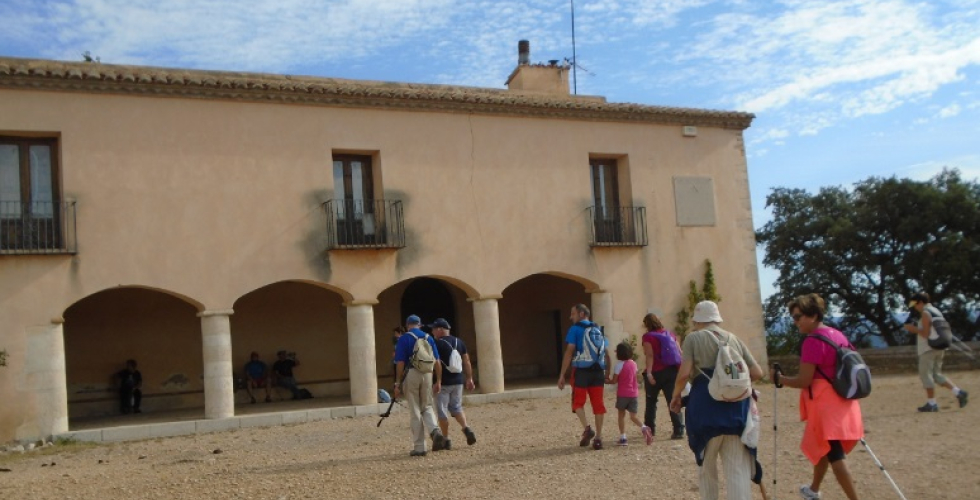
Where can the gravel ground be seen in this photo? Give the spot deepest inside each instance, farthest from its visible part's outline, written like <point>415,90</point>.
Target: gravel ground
<point>525,449</point>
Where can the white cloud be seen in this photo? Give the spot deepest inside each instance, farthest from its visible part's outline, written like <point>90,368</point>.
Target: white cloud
<point>272,36</point>
<point>837,60</point>
<point>968,166</point>
<point>949,111</point>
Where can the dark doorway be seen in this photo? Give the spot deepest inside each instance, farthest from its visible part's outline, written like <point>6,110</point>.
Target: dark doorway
<point>428,299</point>
<point>559,338</point>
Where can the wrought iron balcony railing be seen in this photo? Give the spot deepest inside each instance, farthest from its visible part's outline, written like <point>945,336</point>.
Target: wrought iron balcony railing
<point>38,227</point>
<point>618,226</point>
<point>356,224</point>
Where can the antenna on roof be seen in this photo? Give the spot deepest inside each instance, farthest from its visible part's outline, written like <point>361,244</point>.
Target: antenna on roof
<point>569,62</point>
<point>574,59</point>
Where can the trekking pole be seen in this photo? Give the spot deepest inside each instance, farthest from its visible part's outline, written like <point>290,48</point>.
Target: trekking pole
<point>775,425</point>
<point>961,346</point>
<point>882,467</point>
<point>394,400</point>
<point>387,412</point>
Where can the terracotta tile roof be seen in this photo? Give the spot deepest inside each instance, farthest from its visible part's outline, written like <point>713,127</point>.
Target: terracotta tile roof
<point>39,74</point>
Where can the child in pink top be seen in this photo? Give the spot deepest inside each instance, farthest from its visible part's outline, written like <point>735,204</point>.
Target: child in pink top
<point>627,392</point>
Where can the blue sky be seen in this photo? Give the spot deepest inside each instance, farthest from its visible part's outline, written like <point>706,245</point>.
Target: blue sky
<point>843,90</point>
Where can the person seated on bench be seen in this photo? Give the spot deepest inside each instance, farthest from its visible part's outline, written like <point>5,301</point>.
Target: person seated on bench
<point>282,372</point>
<point>130,388</point>
<point>256,375</point>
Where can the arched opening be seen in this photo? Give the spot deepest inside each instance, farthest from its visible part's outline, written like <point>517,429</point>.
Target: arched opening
<point>158,330</point>
<point>533,322</point>
<point>298,318</point>
<point>429,298</point>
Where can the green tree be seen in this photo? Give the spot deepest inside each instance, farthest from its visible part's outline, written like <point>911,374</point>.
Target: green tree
<point>867,249</point>
<point>708,291</point>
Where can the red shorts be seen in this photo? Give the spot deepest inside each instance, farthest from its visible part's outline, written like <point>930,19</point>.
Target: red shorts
<point>595,396</point>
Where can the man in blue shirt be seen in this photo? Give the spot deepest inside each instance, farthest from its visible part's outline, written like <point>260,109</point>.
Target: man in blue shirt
<point>588,355</point>
<point>418,387</point>
<point>256,375</point>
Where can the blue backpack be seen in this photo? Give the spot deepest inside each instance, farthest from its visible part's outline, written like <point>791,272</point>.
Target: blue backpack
<point>593,348</point>
<point>670,354</point>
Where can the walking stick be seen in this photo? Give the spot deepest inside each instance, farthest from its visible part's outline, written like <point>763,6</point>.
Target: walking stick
<point>394,400</point>
<point>387,412</point>
<point>882,467</point>
<point>775,425</point>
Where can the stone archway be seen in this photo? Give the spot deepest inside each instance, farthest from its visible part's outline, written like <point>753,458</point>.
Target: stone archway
<point>298,317</point>
<point>429,298</point>
<point>533,322</point>
<point>159,330</point>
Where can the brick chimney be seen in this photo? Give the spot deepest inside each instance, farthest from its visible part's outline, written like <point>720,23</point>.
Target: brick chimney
<point>551,78</point>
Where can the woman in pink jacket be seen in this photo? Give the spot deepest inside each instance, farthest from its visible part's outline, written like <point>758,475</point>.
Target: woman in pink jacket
<point>833,424</point>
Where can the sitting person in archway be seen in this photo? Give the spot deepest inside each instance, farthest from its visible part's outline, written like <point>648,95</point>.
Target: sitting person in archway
<point>256,375</point>
<point>130,388</point>
<point>282,373</point>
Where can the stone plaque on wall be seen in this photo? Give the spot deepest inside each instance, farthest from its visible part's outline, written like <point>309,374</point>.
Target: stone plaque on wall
<point>694,200</point>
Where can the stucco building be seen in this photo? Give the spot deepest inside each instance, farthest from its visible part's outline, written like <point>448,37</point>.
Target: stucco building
<point>186,218</point>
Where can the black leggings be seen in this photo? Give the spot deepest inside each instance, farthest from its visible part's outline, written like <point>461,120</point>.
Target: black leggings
<point>665,385</point>
<point>836,452</point>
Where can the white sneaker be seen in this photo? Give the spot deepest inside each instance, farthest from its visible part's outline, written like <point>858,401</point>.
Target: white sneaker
<point>809,494</point>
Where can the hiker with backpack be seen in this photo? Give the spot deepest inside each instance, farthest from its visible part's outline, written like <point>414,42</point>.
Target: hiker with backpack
<point>586,352</point>
<point>457,373</point>
<point>833,422</point>
<point>662,357</point>
<point>933,337</point>
<point>420,373</point>
<point>721,370</point>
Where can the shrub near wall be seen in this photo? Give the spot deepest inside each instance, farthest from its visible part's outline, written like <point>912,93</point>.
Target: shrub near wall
<point>894,360</point>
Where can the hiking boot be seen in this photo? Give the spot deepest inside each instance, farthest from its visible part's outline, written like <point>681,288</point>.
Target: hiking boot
<point>928,408</point>
<point>438,440</point>
<point>587,436</point>
<point>416,453</point>
<point>647,434</point>
<point>470,437</point>
<point>597,444</point>
<point>622,442</point>
<point>809,494</point>
<point>678,434</point>
<point>268,399</point>
<point>963,398</point>
<point>449,444</point>
<point>253,399</point>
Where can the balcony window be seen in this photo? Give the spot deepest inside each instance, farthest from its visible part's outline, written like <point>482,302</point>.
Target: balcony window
<point>33,217</point>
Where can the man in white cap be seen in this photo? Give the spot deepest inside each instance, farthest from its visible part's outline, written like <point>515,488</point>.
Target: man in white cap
<point>715,427</point>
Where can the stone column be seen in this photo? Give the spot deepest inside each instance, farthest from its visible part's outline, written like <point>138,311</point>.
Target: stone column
<point>219,383</point>
<point>45,371</point>
<point>602,312</point>
<point>361,353</point>
<point>490,359</point>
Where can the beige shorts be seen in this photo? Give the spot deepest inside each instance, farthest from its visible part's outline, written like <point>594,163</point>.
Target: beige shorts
<point>931,368</point>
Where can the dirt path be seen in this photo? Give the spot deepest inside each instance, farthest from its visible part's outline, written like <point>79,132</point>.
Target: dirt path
<point>526,449</point>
